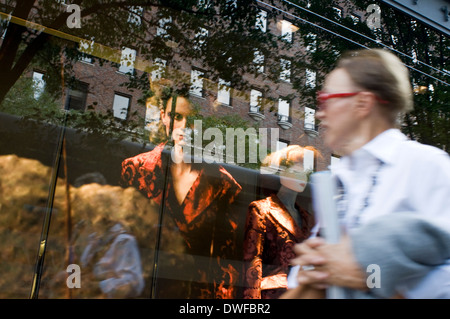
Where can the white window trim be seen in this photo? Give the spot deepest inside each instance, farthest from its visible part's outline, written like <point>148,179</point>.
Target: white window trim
<point>308,160</point>
<point>285,74</point>
<point>310,120</point>
<point>158,68</point>
<point>135,14</point>
<point>86,47</point>
<point>312,47</point>
<point>355,18</point>
<point>224,92</point>
<point>200,38</point>
<point>161,30</point>
<point>339,12</point>
<point>196,83</point>
<point>259,61</point>
<point>127,61</point>
<point>261,20</point>
<point>38,84</point>
<point>119,112</point>
<point>255,100</point>
<point>311,77</point>
<point>284,109</point>
<point>287,30</point>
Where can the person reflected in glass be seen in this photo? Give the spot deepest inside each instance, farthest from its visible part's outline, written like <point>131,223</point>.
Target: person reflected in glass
<point>112,261</point>
<point>273,226</point>
<point>196,196</point>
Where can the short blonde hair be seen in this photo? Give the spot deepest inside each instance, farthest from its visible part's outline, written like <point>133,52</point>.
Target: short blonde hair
<point>288,156</point>
<point>382,73</point>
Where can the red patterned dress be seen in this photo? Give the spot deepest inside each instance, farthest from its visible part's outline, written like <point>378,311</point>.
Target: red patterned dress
<point>204,218</point>
<point>270,235</point>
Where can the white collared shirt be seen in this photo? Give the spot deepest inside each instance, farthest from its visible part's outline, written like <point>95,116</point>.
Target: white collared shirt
<point>414,177</point>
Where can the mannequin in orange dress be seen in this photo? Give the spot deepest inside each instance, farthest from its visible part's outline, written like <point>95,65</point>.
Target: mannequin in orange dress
<point>273,226</point>
<point>197,197</point>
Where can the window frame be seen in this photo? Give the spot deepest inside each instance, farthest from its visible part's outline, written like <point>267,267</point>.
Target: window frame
<point>38,84</point>
<point>285,73</point>
<point>121,65</point>
<point>287,36</point>
<point>224,86</point>
<point>310,83</point>
<point>263,15</point>
<point>123,95</point>
<point>78,87</point>
<point>255,107</point>
<point>199,77</point>
<point>280,117</point>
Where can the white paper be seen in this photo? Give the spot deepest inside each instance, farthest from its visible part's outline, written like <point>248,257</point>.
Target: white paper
<point>323,194</point>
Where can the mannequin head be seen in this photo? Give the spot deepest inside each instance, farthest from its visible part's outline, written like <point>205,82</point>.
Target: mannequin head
<point>289,163</point>
<point>180,118</point>
<point>293,176</point>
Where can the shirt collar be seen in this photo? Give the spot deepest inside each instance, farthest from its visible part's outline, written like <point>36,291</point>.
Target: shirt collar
<point>382,147</point>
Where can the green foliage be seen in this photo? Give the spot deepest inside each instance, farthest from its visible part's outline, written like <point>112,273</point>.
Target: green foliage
<point>21,101</point>
<point>231,124</point>
<point>423,50</point>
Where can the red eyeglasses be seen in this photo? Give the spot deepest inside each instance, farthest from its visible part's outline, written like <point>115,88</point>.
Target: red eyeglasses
<point>322,97</point>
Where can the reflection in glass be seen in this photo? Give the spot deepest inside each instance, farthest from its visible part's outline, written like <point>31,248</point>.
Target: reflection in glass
<point>107,231</point>
<point>274,225</point>
<point>195,200</point>
<point>100,74</point>
<point>24,194</point>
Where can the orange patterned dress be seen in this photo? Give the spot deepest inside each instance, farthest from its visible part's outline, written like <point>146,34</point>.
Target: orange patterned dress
<point>270,235</point>
<point>204,218</point>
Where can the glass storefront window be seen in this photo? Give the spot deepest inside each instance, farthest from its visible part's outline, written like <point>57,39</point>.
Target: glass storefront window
<point>166,151</point>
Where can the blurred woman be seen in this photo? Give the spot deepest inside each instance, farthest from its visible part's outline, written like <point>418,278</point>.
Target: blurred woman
<point>381,173</point>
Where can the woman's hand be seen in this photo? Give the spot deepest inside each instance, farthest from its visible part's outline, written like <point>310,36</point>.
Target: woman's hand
<point>334,264</point>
